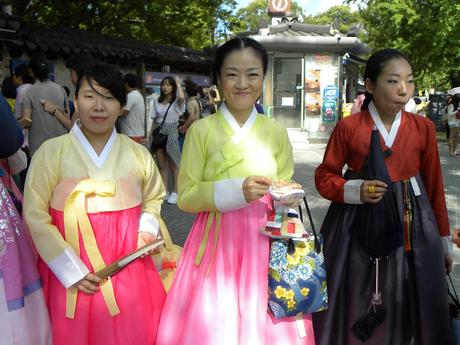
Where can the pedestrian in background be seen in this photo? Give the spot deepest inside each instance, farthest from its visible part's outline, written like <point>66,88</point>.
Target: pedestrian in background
<point>453,120</point>
<point>412,277</point>
<point>132,119</point>
<point>193,110</point>
<point>45,106</point>
<point>167,110</point>
<point>229,162</point>
<point>91,197</point>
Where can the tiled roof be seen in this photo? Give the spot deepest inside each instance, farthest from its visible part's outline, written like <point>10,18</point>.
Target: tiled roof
<point>66,41</point>
<point>299,29</point>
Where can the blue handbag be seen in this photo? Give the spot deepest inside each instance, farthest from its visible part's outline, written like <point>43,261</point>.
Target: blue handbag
<point>297,275</point>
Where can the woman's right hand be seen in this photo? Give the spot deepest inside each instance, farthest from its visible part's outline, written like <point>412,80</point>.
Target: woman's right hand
<point>89,284</point>
<point>373,191</point>
<point>255,187</point>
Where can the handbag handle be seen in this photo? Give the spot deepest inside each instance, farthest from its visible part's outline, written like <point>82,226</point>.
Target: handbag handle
<point>453,293</point>
<point>315,235</point>
<point>166,114</point>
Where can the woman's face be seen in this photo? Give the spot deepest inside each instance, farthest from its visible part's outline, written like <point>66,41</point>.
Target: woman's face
<point>241,78</point>
<point>166,87</point>
<point>393,88</point>
<point>97,111</point>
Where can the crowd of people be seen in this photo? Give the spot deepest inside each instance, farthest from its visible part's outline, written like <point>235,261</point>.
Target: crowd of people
<point>94,186</point>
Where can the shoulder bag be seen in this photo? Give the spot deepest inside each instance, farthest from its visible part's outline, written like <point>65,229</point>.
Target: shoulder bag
<point>159,139</point>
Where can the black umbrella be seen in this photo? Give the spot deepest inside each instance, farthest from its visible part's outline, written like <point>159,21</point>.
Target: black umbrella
<point>379,230</point>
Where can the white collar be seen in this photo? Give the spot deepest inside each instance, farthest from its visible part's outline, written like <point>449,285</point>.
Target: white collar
<point>389,138</point>
<point>97,160</point>
<point>238,131</point>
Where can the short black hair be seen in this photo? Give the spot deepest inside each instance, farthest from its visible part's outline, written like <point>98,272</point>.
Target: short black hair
<point>376,64</point>
<point>191,88</point>
<point>39,66</point>
<point>131,80</point>
<point>23,71</point>
<point>107,77</point>
<point>79,62</point>
<point>239,43</point>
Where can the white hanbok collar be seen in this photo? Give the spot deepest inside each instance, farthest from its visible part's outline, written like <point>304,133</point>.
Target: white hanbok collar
<point>239,132</point>
<point>389,138</point>
<point>97,160</point>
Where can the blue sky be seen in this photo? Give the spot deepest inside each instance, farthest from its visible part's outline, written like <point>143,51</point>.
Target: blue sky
<point>310,7</point>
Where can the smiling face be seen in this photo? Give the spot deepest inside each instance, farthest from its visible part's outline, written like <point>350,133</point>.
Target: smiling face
<point>98,110</point>
<point>241,78</point>
<point>393,88</point>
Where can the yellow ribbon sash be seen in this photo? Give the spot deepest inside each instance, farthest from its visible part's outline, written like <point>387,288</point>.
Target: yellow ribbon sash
<point>212,216</point>
<point>75,217</point>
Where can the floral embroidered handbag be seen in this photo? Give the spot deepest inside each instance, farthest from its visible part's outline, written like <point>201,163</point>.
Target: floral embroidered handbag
<point>297,275</point>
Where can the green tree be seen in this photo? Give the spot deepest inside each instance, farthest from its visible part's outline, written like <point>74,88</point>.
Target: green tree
<point>256,12</point>
<point>189,23</point>
<point>341,17</point>
<point>426,30</point>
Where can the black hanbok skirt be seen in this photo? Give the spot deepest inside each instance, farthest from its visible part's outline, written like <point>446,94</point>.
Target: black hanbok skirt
<point>413,283</point>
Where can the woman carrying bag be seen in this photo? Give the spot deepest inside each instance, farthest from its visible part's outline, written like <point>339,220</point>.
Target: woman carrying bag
<point>166,111</point>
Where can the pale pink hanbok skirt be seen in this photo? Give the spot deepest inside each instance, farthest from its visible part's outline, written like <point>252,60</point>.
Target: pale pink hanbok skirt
<point>224,299</point>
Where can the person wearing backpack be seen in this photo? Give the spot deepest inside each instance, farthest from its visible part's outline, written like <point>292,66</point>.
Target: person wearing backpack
<point>193,112</point>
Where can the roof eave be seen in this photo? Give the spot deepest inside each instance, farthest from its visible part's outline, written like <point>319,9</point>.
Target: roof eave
<point>306,44</point>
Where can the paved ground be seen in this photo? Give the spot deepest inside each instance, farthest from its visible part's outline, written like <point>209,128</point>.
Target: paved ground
<point>307,157</point>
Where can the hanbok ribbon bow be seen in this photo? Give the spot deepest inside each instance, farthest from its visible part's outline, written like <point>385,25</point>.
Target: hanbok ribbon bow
<point>75,217</point>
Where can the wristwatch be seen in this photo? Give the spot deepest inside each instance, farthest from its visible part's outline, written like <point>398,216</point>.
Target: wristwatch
<point>54,112</point>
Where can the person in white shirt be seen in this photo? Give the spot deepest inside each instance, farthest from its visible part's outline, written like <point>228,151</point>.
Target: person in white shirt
<point>132,120</point>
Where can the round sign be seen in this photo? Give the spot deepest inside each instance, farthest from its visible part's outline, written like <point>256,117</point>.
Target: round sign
<point>280,5</point>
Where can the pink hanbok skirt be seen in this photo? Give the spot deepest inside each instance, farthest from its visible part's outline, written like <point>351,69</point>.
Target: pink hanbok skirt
<point>138,289</point>
<point>224,299</point>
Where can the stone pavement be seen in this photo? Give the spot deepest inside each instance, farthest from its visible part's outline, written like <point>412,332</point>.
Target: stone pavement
<point>307,157</point>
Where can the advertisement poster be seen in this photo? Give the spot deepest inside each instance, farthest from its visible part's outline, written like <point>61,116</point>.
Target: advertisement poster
<point>313,92</point>
<point>329,111</point>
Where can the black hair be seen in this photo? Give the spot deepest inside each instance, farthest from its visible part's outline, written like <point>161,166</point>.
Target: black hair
<point>191,88</point>
<point>8,88</point>
<point>376,64</point>
<point>171,82</point>
<point>105,76</point>
<point>455,100</point>
<point>39,66</point>
<point>23,71</point>
<point>239,43</point>
<point>79,62</point>
<point>131,80</point>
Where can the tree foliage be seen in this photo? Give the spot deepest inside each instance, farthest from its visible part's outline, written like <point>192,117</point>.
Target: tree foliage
<point>189,23</point>
<point>340,17</point>
<point>428,31</point>
<point>255,15</point>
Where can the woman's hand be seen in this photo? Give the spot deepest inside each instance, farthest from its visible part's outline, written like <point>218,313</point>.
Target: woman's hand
<point>255,187</point>
<point>89,284</point>
<point>145,237</point>
<point>456,237</point>
<point>373,191</point>
<point>48,106</point>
